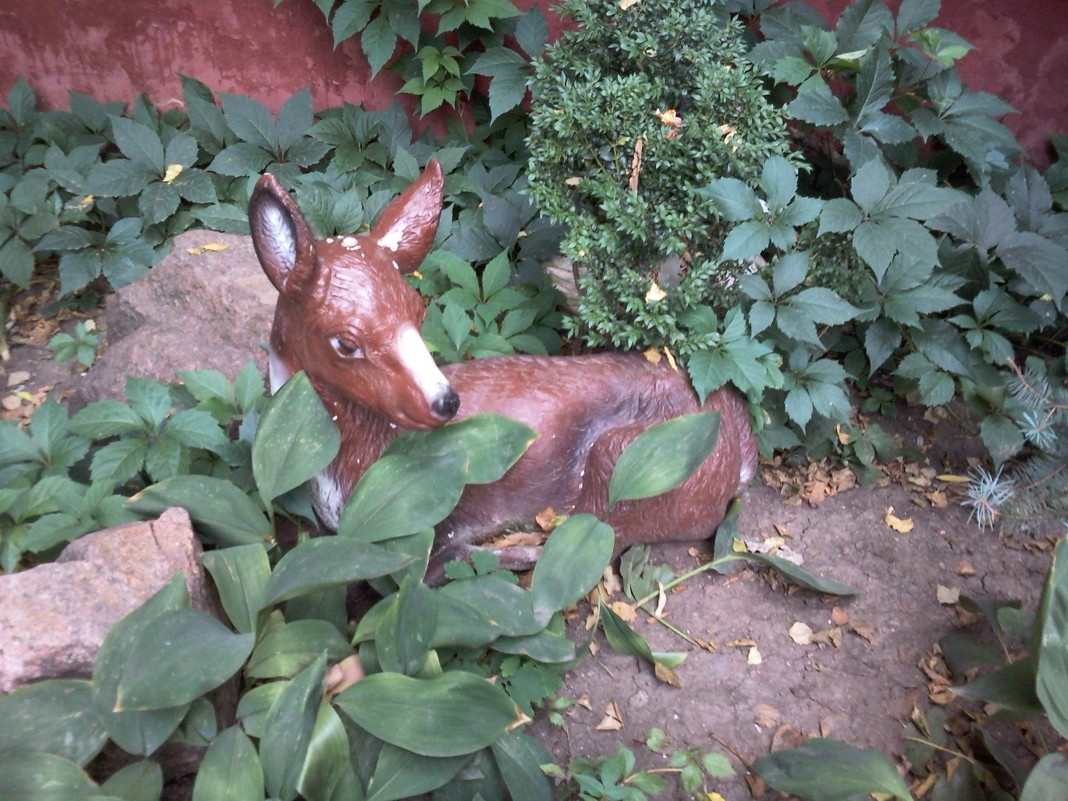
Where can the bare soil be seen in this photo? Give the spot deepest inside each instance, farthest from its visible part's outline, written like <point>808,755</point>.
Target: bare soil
<point>747,685</point>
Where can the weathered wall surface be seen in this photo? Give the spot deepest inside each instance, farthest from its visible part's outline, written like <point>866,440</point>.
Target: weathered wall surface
<point>112,51</point>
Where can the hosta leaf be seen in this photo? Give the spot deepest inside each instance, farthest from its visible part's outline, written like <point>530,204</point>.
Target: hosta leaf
<point>288,730</point>
<point>664,456</point>
<point>222,512</point>
<point>431,717</point>
<point>572,560</point>
<point>230,769</point>
<point>55,717</point>
<point>827,770</point>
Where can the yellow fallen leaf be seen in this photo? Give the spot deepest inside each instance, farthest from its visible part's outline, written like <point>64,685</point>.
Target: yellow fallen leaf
<point>652,354</point>
<point>625,4</point>
<point>902,525</point>
<point>574,180</point>
<point>952,478</point>
<point>655,293</point>
<point>173,171</point>
<point>844,437</point>
<point>671,359</point>
<point>624,610</point>
<point>208,247</point>
<point>753,657</point>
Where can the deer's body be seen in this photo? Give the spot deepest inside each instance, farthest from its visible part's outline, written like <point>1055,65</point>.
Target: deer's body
<point>347,317</point>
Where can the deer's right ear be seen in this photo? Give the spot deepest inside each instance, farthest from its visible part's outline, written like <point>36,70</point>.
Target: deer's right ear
<point>283,241</point>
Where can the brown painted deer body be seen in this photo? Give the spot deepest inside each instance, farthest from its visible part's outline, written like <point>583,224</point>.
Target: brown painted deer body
<point>347,317</point>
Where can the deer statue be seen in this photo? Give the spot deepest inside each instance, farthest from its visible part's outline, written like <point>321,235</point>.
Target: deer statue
<point>347,317</point>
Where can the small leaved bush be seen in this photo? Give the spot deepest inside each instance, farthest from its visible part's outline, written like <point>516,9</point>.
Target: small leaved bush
<point>426,692</point>
<point>899,248</point>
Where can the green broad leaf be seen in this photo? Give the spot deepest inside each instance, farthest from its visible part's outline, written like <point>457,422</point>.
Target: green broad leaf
<point>150,399</point>
<point>254,705</point>
<point>406,629</point>
<point>508,72</point>
<point>165,459</point>
<point>400,495</point>
<point>16,262</point>
<point>519,758</point>
<point>734,200</point>
<point>378,41</point>
<point>402,774</point>
<point>819,107</point>
<point>663,457</point>
<point>135,732</point>
<point>1012,688</point>
<point>178,657</point>
<point>505,603</point>
<point>55,717</point>
<point>915,14</point>
<point>746,241</point>
<point>790,271</point>
<point>195,429</point>
<point>622,638</point>
<point>32,776</point>
<point>240,159</point>
<point>119,461</point>
<point>1039,261</point>
<point>779,180</point>
<point>798,574</point>
<point>295,439</point>
<point>288,649</point>
<point>157,202</point>
<point>545,646</point>
<point>241,574</point>
<point>294,119</point>
<point>221,511</point>
<point>107,418</point>
<point>1052,678</point>
<point>326,562</point>
<point>141,781</point>
<point>532,31</point>
<point>827,770</point>
<point>288,730</point>
<point>431,717</point>
<point>230,769</point>
<point>572,561</point>
<point>199,726</point>
<point>875,82</point>
<point>119,178</point>
<point>350,18</point>
<point>1048,780</point>
<point>1001,437</point>
<point>250,120</point>
<point>139,143</point>
<point>490,443</point>
<point>328,773</point>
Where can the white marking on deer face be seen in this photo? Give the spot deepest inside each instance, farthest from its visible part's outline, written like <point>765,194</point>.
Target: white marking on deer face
<point>412,351</point>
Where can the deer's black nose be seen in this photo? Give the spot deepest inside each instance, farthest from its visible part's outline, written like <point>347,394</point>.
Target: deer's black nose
<point>446,404</point>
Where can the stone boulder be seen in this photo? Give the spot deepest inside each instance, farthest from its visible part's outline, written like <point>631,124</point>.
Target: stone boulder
<point>53,617</point>
<point>207,304</point>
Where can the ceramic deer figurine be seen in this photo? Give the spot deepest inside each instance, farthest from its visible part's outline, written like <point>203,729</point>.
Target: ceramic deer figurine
<point>347,317</point>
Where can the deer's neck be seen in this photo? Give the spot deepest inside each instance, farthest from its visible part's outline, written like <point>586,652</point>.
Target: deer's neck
<point>364,435</point>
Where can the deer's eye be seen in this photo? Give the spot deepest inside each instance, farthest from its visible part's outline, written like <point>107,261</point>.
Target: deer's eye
<point>346,348</point>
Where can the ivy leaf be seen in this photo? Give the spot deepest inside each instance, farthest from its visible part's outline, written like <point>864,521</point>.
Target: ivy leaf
<point>140,144</point>
<point>250,120</point>
<point>1039,261</point>
<point>734,200</point>
<point>746,241</point>
<point>819,107</point>
<point>914,14</point>
<point>532,31</point>
<point>350,18</point>
<point>378,41</point>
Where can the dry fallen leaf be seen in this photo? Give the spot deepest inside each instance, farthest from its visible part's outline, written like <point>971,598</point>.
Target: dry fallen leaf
<point>667,675</point>
<point>951,478</point>
<point>786,737</point>
<point>11,402</point>
<point>652,355</point>
<point>626,611</point>
<point>625,4</point>
<point>655,293</point>
<point>18,377</point>
<point>865,630</point>
<point>754,657</point>
<point>965,569</point>
<point>766,716</point>
<point>902,525</point>
<point>742,642</point>
<point>801,633</point>
<point>839,616</point>
<point>831,636</point>
<point>947,596</point>
<point>613,718</point>
<point>344,674</point>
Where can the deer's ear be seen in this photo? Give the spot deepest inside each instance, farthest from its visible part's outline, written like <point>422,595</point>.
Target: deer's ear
<point>407,226</point>
<point>283,241</point>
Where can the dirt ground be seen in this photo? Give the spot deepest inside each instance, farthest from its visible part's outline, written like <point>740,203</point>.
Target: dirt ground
<point>749,684</point>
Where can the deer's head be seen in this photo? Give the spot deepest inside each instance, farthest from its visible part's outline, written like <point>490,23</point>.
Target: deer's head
<point>345,314</point>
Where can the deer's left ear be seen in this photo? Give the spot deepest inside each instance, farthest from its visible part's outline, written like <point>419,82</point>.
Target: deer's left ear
<point>407,226</point>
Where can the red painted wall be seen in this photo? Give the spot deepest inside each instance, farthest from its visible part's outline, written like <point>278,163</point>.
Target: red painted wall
<point>114,50</point>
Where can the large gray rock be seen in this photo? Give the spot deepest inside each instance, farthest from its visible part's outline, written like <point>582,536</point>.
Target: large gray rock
<point>198,308</point>
<point>53,617</point>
